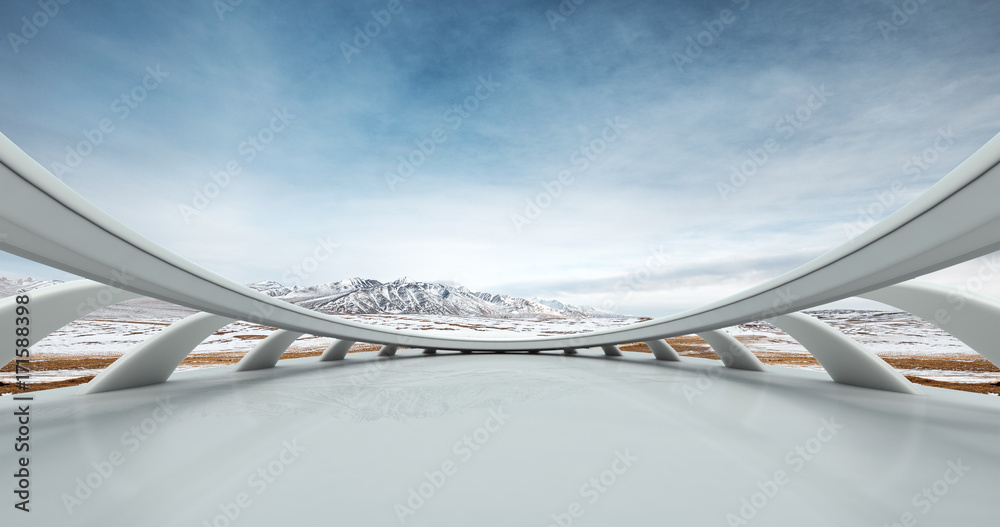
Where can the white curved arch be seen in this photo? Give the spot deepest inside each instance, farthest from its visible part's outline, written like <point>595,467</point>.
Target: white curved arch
<point>847,361</point>
<point>953,221</point>
<point>337,350</point>
<point>155,359</point>
<point>972,318</point>
<point>267,352</point>
<point>732,352</point>
<point>53,307</point>
<point>663,350</point>
<point>610,350</point>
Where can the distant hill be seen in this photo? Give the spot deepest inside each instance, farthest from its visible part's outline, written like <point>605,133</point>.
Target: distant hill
<point>13,286</point>
<point>357,296</point>
<point>360,296</point>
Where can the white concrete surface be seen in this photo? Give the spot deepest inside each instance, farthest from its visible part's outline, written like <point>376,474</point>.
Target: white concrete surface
<point>342,443</point>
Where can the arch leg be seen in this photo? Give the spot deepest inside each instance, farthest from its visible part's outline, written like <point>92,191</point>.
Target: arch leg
<point>662,350</point>
<point>847,361</point>
<point>969,317</point>
<point>154,360</point>
<point>337,350</point>
<point>51,308</point>
<point>266,353</point>
<point>732,352</point>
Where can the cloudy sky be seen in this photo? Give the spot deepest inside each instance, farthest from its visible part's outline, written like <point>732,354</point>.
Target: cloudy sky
<point>646,156</point>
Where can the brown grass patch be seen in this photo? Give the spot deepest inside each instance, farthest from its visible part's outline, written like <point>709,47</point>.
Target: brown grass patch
<point>687,346</point>
<point>978,387</point>
<point>10,387</point>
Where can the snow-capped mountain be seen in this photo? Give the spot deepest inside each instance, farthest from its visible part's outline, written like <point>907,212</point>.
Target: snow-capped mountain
<point>581,311</point>
<point>356,296</point>
<point>405,296</point>
<point>12,286</point>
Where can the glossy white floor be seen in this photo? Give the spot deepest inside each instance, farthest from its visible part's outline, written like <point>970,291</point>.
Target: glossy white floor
<point>506,439</point>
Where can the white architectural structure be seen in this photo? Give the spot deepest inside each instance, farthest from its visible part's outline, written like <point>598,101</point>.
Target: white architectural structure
<point>564,436</point>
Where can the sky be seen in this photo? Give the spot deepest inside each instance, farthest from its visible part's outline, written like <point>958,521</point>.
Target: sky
<point>646,157</point>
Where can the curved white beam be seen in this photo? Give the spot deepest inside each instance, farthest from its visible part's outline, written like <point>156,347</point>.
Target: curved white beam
<point>155,359</point>
<point>662,350</point>
<point>267,352</point>
<point>732,352</point>
<point>847,361</point>
<point>972,318</point>
<point>53,307</point>
<point>953,221</point>
<point>610,350</point>
<point>337,350</point>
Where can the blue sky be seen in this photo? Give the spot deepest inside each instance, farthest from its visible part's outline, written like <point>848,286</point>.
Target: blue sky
<point>746,137</point>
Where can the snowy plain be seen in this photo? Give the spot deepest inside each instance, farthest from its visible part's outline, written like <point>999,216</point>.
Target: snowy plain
<point>114,330</point>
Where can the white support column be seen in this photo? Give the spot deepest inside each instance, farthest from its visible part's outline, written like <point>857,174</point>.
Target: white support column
<point>662,350</point>
<point>611,350</point>
<point>267,352</point>
<point>387,351</point>
<point>155,359</point>
<point>53,307</point>
<point>570,351</point>
<point>430,351</point>
<point>337,350</point>
<point>733,353</point>
<point>970,317</point>
<point>845,360</point>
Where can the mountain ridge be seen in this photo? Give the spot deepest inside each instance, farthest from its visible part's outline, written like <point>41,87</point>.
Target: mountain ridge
<point>356,296</point>
<point>403,296</point>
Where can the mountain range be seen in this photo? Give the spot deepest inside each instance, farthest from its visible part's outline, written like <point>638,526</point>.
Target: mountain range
<point>404,296</point>
<point>12,286</point>
<point>356,296</point>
